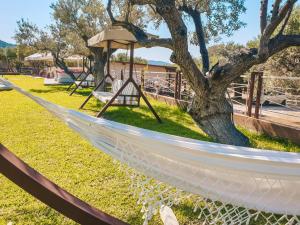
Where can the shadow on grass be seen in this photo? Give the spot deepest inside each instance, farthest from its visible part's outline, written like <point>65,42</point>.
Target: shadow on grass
<point>186,210</point>
<point>175,121</point>
<point>143,118</point>
<point>83,92</point>
<point>51,89</point>
<point>135,219</point>
<point>54,89</point>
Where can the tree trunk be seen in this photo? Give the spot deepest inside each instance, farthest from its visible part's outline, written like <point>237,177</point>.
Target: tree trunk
<point>62,65</point>
<point>213,114</point>
<point>98,70</point>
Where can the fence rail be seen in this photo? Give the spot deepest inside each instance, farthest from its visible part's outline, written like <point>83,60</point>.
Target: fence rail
<point>248,97</point>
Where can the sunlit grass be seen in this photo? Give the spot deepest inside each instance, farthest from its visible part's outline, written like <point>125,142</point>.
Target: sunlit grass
<point>49,146</point>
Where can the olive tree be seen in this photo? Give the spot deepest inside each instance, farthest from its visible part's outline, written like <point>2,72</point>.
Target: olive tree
<point>86,18</point>
<point>83,19</point>
<point>51,39</point>
<point>211,18</point>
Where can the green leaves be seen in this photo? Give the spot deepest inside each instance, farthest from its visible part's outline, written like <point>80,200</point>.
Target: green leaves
<point>84,17</point>
<point>26,32</point>
<point>219,17</point>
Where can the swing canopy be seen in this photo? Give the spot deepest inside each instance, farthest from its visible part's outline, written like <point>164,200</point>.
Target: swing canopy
<point>124,93</point>
<point>120,38</point>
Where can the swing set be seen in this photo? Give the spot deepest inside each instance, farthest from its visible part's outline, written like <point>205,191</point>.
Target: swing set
<point>82,79</point>
<point>123,92</point>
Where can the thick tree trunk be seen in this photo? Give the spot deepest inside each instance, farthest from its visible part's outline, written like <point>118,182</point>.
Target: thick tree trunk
<point>210,109</point>
<point>98,70</point>
<point>213,114</point>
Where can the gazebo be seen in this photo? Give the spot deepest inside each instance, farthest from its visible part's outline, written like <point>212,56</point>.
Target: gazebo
<point>47,57</point>
<point>40,57</point>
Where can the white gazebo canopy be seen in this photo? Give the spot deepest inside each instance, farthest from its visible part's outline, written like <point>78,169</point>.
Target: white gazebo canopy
<point>39,57</point>
<point>120,38</point>
<point>48,57</point>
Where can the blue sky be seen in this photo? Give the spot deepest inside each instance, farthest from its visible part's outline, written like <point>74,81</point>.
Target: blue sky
<point>39,12</point>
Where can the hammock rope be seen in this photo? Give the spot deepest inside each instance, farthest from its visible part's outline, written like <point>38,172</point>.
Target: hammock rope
<point>235,183</point>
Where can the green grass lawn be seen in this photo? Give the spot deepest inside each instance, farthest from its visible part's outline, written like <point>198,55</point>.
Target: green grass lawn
<point>50,147</point>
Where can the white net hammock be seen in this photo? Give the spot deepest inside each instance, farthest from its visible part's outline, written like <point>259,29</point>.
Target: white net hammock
<point>228,184</point>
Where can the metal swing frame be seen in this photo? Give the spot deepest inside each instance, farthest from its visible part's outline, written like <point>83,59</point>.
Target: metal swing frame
<point>89,71</point>
<point>119,92</point>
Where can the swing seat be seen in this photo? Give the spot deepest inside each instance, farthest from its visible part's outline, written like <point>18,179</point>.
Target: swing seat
<point>129,96</point>
<point>103,96</point>
<point>4,87</point>
<point>89,80</point>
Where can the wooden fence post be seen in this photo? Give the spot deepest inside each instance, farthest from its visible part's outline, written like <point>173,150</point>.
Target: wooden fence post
<point>169,81</point>
<point>179,85</point>
<point>250,94</point>
<point>142,80</point>
<point>176,86</point>
<point>122,75</point>
<point>258,94</point>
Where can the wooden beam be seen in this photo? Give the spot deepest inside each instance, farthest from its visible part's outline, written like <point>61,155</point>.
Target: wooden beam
<point>142,80</point>
<point>49,193</point>
<point>108,57</point>
<point>176,86</point>
<point>258,94</point>
<point>179,85</point>
<point>131,60</point>
<point>250,94</point>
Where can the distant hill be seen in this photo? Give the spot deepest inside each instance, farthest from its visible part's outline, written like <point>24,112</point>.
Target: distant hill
<point>4,44</point>
<point>158,63</point>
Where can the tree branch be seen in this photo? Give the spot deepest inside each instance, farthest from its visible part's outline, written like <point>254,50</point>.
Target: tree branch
<point>196,16</point>
<point>241,62</point>
<point>271,27</point>
<point>279,18</point>
<point>168,10</point>
<point>287,17</point>
<point>128,11</point>
<point>281,42</point>
<point>62,65</point>
<point>144,39</point>
<point>263,15</point>
<point>275,9</point>
<point>178,43</point>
